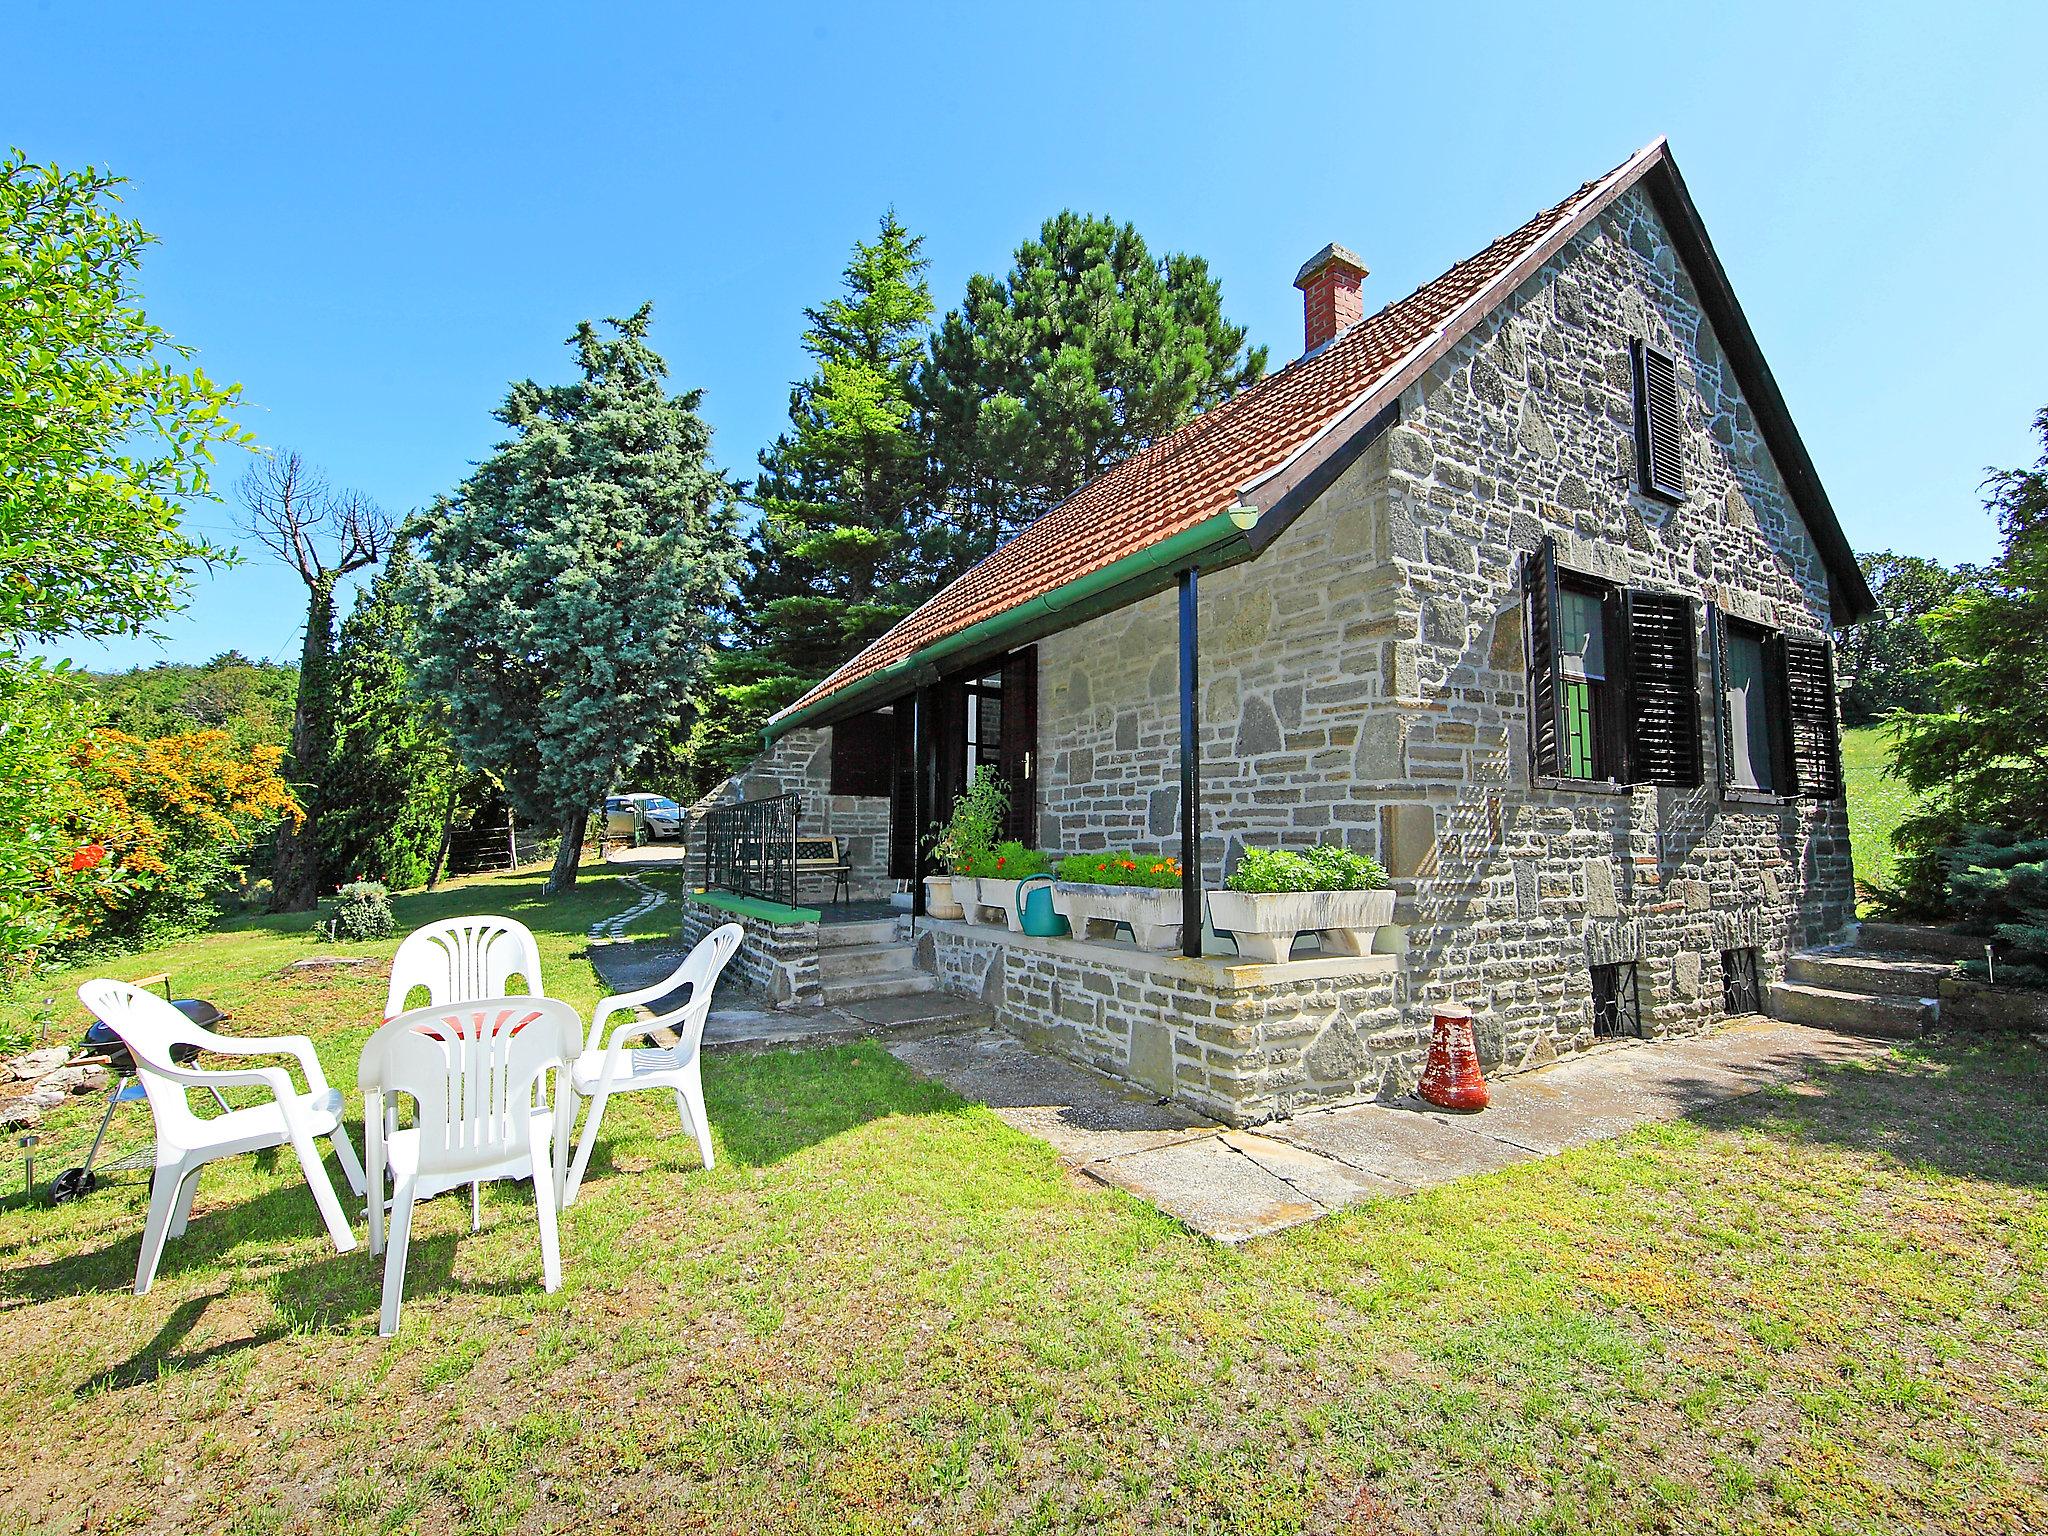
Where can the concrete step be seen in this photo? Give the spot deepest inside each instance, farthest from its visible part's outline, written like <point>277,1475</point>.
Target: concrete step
<point>865,960</point>
<point>1855,1013</point>
<point>863,989</point>
<point>1857,970</point>
<point>1917,939</point>
<point>854,935</point>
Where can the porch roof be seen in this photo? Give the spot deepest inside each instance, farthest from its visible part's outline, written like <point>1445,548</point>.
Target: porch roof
<point>1273,447</point>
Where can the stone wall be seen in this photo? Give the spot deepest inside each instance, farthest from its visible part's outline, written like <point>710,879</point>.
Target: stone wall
<point>777,961</point>
<point>801,764</point>
<point>1364,678</point>
<point>1243,1043</point>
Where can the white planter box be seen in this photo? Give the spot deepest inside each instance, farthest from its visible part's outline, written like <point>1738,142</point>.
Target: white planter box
<point>1001,895</point>
<point>1265,923</point>
<point>967,896</point>
<point>1095,910</point>
<point>938,898</point>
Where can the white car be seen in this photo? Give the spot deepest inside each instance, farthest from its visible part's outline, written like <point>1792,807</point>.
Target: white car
<point>660,816</point>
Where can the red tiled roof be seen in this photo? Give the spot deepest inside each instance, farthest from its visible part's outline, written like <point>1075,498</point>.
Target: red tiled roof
<point>1184,479</point>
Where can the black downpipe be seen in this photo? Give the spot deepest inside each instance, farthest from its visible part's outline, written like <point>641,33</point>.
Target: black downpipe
<point>916,809</point>
<point>1190,774</point>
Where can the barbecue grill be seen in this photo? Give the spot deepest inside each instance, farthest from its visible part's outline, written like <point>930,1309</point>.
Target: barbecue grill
<point>104,1046</point>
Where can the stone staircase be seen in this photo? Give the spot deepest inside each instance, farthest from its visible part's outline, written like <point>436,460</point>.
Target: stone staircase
<point>861,961</point>
<point>1886,984</point>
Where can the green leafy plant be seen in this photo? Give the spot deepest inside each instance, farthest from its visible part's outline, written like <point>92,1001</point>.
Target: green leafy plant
<point>362,910</point>
<point>1011,860</point>
<point>1998,887</point>
<point>1325,867</point>
<point>1121,867</point>
<point>969,834</point>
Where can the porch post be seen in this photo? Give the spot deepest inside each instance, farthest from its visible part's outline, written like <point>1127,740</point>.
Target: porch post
<point>1190,773</point>
<point>916,805</point>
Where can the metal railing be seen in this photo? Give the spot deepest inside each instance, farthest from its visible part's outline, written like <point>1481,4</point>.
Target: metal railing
<point>750,848</point>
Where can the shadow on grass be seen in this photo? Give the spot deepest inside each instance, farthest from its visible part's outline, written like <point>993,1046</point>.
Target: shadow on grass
<point>162,1353</point>
<point>768,1106</point>
<point>1965,1105</point>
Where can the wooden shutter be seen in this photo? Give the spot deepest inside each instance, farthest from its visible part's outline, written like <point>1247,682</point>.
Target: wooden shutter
<point>1717,672</point>
<point>903,828</point>
<point>1546,722</point>
<point>1661,691</point>
<point>1660,423</point>
<point>1018,751</point>
<point>861,751</point>
<point>1814,749</point>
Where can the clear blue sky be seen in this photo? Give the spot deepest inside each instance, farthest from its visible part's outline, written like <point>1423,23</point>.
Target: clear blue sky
<point>374,218</point>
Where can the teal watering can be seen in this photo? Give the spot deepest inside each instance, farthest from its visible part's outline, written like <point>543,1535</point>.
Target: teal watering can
<point>1034,909</point>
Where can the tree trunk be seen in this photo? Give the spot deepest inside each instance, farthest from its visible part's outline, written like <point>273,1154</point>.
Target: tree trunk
<point>447,837</point>
<point>563,876</point>
<point>295,880</point>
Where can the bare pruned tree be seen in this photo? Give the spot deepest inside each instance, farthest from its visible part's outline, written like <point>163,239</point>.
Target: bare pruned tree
<point>323,534</point>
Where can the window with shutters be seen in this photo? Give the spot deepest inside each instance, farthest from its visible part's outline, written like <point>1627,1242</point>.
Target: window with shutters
<point>1660,423</point>
<point>1776,720</point>
<point>1613,695</point>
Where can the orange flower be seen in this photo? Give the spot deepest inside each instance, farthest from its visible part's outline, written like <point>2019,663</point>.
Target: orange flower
<point>88,857</point>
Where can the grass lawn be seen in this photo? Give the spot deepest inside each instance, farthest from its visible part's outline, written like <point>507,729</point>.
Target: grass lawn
<point>1823,1308</point>
<point>1877,803</point>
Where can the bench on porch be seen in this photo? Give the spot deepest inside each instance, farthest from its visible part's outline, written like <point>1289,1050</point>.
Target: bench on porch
<point>825,856</point>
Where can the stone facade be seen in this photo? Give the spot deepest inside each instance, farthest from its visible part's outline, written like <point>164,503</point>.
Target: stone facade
<point>801,764</point>
<point>1243,1043</point>
<point>779,961</point>
<point>1364,679</point>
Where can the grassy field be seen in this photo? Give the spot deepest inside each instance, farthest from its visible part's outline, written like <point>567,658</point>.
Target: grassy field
<point>1877,803</point>
<point>1824,1308</point>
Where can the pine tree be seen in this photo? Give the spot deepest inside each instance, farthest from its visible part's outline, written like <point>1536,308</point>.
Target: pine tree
<point>565,590</point>
<point>1088,351</point>
<point>394,775</point>
<point>829,564</point>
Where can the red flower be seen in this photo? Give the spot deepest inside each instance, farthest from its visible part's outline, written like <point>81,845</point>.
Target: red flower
<point>87,857</point>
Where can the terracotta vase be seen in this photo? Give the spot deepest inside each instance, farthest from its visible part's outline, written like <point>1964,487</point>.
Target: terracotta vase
<point>1451,1080</point>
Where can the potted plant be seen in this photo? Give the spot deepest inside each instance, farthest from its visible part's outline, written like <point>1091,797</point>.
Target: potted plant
<point>964,842</point>
<point>1276,893</point>
<point>1096,891</point>
<point>997,874</point>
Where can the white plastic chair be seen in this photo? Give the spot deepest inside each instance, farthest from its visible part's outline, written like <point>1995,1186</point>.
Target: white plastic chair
<point>185,1143</point>
<point>475,1072</point>
<point>614,1065</point>
<point>463,960</point>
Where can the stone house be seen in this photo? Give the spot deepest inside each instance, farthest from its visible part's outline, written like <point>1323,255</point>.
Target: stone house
<point>1524,584</point>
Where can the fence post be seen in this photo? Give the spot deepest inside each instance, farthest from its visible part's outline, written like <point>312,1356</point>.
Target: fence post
<point>511,840</point>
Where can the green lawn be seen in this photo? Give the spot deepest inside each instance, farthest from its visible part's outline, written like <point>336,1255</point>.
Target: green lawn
<point>1824,1308</point>
<point>1877,803</point>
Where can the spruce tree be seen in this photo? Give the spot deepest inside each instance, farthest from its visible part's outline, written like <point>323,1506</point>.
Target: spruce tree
<point>1089,350</point>
<point>829,563</point>
<point>565,590</point>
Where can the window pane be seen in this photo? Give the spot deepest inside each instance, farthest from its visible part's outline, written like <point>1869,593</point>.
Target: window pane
<point>1750,758</point>
<point>1581,645</point>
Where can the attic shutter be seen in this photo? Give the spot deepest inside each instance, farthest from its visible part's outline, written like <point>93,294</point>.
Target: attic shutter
<point>861,749</point>
<point>1660,423</point>
<point>1663,694</point>
<point>1546,726</point>
<point>1814,748</point>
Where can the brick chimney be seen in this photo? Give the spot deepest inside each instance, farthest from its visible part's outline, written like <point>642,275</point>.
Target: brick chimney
<point>1330,301</point>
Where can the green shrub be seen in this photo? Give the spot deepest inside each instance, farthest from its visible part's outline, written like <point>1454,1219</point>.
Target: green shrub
<point>362,910</point>
<point>1325,867</point>
<point>1998,887</point>
<point>1121,867</point>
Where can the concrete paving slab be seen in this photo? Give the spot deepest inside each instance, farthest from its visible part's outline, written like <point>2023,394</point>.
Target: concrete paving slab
<point>1410,1144</point>
<point>1084,1115</point>
<point>1211,1186</point>
<point>1328,1182</point>
<point>914,1008</point>
<point>762,1029</point>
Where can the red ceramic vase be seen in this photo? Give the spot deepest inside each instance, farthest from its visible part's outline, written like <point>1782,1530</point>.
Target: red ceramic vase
<point>1451,1080</point>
